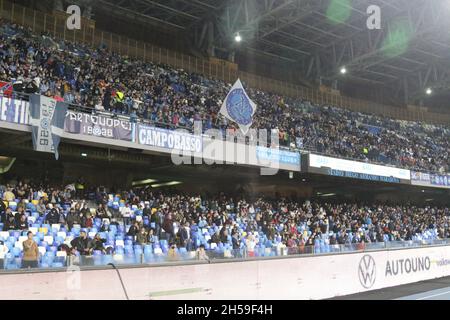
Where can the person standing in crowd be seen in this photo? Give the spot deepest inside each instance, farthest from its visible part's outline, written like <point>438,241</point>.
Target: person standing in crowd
<point>30,257</point>
<point>201,253</point>
<point>250,244</point>
<point>3,251</point>
<point>2,211</point>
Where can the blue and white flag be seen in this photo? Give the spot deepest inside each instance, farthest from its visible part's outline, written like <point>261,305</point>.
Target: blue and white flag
<point>238,107</point>
<point>47,120</point>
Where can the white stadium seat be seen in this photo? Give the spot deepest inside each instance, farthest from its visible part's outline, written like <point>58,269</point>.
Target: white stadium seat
<point>49,239</point>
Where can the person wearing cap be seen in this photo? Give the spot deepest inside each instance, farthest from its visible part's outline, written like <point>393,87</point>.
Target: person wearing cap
<point>82,243</point>
<point>30,252</point>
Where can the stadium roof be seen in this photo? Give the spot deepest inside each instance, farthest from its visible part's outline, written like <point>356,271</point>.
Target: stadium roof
<point>408,54</point>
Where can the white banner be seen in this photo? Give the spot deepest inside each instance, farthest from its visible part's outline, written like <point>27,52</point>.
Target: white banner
<point>318,161</point>
<point>43,141</point>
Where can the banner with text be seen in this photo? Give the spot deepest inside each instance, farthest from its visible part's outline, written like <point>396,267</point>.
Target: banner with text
<point>169,139</point>
<point>287,160</point>
<point>356,169</point>
<point>13,110</point>
<point>430,180</point>
<point>47,121</point>
<point>99,126</point>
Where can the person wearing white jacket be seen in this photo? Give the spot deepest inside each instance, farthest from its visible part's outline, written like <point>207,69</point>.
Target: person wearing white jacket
<point>126,214</point>
<point>3,251</point>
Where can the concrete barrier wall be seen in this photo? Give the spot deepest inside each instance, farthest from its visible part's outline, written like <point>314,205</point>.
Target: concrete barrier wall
<point>312,277</point>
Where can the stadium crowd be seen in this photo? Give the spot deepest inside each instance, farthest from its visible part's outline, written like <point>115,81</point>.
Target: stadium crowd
<point>147,217</point>
<point>98,79</point>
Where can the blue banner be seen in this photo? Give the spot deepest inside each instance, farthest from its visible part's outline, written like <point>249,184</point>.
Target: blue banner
<point>13,110</point>
<point>278,156</point>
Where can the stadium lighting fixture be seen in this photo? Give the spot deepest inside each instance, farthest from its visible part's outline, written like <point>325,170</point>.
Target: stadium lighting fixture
<point>238,37</point>
<point>429,91</point>
<point>143,182</point>
<point>343,70</point>
<point>166,184</point>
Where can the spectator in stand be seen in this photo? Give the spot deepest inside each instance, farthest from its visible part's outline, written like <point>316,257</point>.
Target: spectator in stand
<point>126,214</point>
<point>250,244</point>
<point>2,212</point>
<point>10,220</point>
<point>142,237</point>
<point>82,244</point>
<point>22,224</point>
<point>53,216</point>
<point>8,195</point>
<point>172,254</point>
<point>30,257</point>
<point>151,237</point>
<point>171,98</point>
<point>97,244</point>
<point>86,219</point>
<point>185,237</point>
<point>3,251</point>
<point>40,207</point>
<point>201,253</point>
<point>134,230</point>
<point>72,218</point>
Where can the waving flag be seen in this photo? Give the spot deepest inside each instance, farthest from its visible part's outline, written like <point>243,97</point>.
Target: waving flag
<point>238,107</point>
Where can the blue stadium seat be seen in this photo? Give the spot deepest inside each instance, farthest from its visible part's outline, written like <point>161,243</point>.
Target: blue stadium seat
<point>57,265</point>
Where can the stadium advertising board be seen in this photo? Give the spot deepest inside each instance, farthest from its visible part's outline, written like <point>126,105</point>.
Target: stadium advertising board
<point>99,126</point>
<point>168,139</point>
<point>430,180</point>
<point>285,159</point>
<point>13,110</point>
<point>357,170</point>
<point>339,274</point>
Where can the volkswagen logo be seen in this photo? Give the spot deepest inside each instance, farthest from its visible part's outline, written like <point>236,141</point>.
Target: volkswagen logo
<point>367,271</point>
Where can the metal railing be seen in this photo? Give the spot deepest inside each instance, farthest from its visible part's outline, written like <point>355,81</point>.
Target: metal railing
<point>41,22</point>
<point>214,256</point>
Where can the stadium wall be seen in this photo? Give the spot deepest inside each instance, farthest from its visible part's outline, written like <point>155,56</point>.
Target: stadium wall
<point>308,277</point>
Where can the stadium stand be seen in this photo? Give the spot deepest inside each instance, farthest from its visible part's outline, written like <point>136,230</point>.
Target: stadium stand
<point>102,81</point>
<point>145,225</point>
